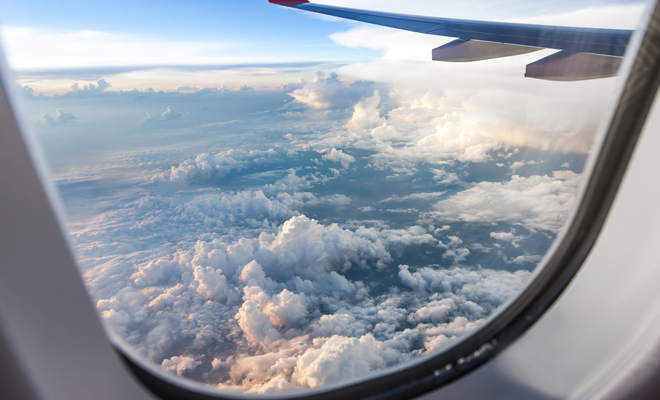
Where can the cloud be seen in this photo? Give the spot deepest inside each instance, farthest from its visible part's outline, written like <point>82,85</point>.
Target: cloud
<point>100,86</point>
<point>170,114</point>
<point>527,259</point>
<point>414,196</point>
<point>232,255</point>
<point>301,200</point>
<point>339,156</point>
<point>256,325</point>
<point>487,288</point>
<point>166,115</point>
<point>276,312</point>
<point>537,202</point>
<point>454,251</point>
<point>507,236</point>
<point>60,119</point>
<point>246,269</point>
<point>519,164</point>
<point>366,114</point>
<point>444,177</point>
<point>35,47</point>
<point>25,90</point>
<point>330,92</point>
<point>179,365</point>
<point>338,359</point>
<point>563,12</point>
<point>187,89</point>
<point>206,166</point>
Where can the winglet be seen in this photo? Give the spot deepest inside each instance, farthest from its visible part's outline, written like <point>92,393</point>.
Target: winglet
<point>288,3</point>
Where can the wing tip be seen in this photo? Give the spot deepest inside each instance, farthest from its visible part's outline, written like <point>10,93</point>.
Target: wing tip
<point>288,3</point>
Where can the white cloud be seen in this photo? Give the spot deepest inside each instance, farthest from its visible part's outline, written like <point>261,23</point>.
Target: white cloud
<point>507,236</point>
<point>256,325</point>
<point>206,166</point>
<point>179,365</point>
<point>444,177</point>
<point>100,86</point>
<point>59,119</point>
<point>366,114</point>
<point>330,92</point>
<point>300,200</point>
<point>166,115</point>
<point>170,114</point>
<point>466,121</point>
<point>292,182</point>
<point>527,259</point>
<point>280,340</point>
<point>211,283</point>
<point>519,164</point>
<point>338,359</point>
<point>339,156</point>
<point>414,196</point>
<point>537,202</point>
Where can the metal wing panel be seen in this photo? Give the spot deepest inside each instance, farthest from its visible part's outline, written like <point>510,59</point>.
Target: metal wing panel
<point>611,42</point>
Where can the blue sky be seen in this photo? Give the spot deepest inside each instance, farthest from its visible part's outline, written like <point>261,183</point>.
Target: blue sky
<point>213,19</point>
<point>250,28</point>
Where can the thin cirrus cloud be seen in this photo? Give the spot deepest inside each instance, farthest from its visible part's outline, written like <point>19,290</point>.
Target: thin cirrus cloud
<point>42,54</point>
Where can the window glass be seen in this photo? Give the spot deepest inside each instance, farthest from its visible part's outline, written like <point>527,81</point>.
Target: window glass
<point>264,200</point>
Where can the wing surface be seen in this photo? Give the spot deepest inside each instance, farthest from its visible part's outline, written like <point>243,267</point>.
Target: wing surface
<point>499,39</point>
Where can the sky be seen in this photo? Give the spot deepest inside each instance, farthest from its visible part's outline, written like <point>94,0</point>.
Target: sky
<point>262,200</point>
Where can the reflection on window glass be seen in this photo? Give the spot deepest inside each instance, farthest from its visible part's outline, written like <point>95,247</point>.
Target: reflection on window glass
<point>266,200</point>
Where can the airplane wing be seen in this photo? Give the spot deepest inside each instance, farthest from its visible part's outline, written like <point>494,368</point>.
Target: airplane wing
<point>585,53</point>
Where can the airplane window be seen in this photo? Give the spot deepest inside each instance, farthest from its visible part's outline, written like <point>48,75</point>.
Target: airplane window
<point>281,196</point>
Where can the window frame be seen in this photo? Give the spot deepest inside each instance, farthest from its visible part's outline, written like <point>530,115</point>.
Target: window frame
<point>639,81</point>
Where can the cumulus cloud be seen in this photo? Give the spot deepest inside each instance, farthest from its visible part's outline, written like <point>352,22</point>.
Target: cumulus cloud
<point>468,124</point>
<point>339,156</point>
<point>60,118</point>
<point>208,166</point>
<point>537,202</point>
<point>278,311</point>
<point>444,177</point>
<point>366,114</point>
<point>526,259</point>
<point>301,200</point>
<point>338,359</point>
<point>507,236</point>
<point>91,88</point>
<point>414,196</point>
<point>179,365</point>
<point>330,92</point>
<point>166,115</point>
